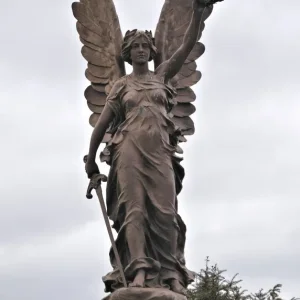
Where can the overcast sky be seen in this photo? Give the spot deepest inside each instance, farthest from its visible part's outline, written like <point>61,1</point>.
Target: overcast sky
<point>242,189</point>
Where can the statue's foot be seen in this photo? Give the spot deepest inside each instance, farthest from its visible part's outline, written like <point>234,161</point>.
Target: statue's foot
<point>139,280</point>
<point>176,287</point>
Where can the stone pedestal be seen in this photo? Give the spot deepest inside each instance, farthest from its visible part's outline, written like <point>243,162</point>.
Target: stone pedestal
<point>144,294</point>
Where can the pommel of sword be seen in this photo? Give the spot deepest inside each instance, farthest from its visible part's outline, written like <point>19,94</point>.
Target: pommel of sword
<point>95,182</point>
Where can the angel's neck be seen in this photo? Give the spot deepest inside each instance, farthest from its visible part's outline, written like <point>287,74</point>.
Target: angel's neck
<point>140,69</point>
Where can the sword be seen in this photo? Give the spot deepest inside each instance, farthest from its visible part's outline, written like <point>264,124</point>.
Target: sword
<point>95,184</point>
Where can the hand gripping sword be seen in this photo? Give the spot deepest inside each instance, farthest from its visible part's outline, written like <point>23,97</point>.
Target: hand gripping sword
<point>95,184</point>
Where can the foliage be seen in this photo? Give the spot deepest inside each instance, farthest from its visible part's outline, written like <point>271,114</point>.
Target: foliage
<point>211,284</point>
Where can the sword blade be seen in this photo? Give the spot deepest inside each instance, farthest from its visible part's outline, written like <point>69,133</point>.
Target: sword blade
<point>110,233</point>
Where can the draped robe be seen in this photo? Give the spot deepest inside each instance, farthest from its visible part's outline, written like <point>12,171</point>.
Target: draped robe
<point>144,181</point>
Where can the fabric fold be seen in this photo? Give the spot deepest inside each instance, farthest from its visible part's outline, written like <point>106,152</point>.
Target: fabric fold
<point>144,181</point>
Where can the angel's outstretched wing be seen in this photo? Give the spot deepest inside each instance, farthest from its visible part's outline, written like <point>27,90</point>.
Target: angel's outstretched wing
<point>99,30</point>
<point>173,23</point>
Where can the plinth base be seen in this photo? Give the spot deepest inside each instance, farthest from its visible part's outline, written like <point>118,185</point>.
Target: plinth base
<point>144,294</point>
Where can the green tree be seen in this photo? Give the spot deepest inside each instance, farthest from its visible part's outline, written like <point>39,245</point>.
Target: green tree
<point>211,284</point>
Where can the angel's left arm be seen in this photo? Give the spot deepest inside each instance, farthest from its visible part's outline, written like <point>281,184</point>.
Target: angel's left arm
<point>172,66</point>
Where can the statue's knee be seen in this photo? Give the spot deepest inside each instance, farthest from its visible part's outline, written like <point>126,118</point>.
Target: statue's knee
<point>137,218</point>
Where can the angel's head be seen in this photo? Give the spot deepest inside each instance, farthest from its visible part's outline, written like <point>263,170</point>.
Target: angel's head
<point>138,46</point>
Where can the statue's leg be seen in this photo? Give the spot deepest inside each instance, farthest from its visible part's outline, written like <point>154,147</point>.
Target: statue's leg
<point>135,233</point>
<point>132,197</point>
<point>166,204</point>
<point>135,229</point>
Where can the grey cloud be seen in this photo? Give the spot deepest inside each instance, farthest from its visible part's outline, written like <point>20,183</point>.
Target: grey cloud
<point>240,197</point>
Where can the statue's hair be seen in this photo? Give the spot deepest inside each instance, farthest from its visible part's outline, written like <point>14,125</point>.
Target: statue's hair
<point>129,38</point>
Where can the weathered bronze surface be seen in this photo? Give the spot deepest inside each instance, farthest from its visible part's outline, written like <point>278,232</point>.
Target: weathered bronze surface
<point>145,294</point>
<point>142,117</point>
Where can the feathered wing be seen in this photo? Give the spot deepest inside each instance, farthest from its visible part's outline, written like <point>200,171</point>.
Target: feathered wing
<point>99,31</point>
<point>173,23</point>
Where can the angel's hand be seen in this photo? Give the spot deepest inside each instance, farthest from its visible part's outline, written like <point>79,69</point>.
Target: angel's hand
<point>91,168</point>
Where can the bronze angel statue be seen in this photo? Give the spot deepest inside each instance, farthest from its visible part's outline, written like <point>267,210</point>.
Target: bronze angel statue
<point>142,117</point>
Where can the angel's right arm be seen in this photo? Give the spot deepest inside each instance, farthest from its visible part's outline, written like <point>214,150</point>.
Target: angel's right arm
<point>101,126</point>
<point>104,121</point>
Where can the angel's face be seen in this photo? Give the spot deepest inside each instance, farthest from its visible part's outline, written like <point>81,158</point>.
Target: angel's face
<point>140,50</point>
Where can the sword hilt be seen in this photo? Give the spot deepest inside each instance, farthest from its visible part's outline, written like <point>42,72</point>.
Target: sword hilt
<point>94,182</point>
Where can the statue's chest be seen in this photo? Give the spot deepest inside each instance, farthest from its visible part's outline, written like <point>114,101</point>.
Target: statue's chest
<point>144,97</point>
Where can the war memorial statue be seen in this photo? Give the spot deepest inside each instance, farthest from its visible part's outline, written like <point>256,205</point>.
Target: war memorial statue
<point>142,117</point>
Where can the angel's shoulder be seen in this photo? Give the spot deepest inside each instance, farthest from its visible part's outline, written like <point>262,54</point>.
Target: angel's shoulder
<point>120,82</point>
<point>117,87</point>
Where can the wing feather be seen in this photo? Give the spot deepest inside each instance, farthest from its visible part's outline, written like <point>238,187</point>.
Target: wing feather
<point>101,72</point>
<point>97,109</point>
<point>85,15</point>
<point>99,87</point>
<point>183,110</point>
<point>180,81</point>
<point>95,79</point>
<point>173,23</point>
<point>188,68</point>
<point>99,31</point>
<point>186,125</point>
<point>197,51</point>
<point>94,97</point>
<point>97,58</point>
<point>185,95</point>
<point>93,119</point>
